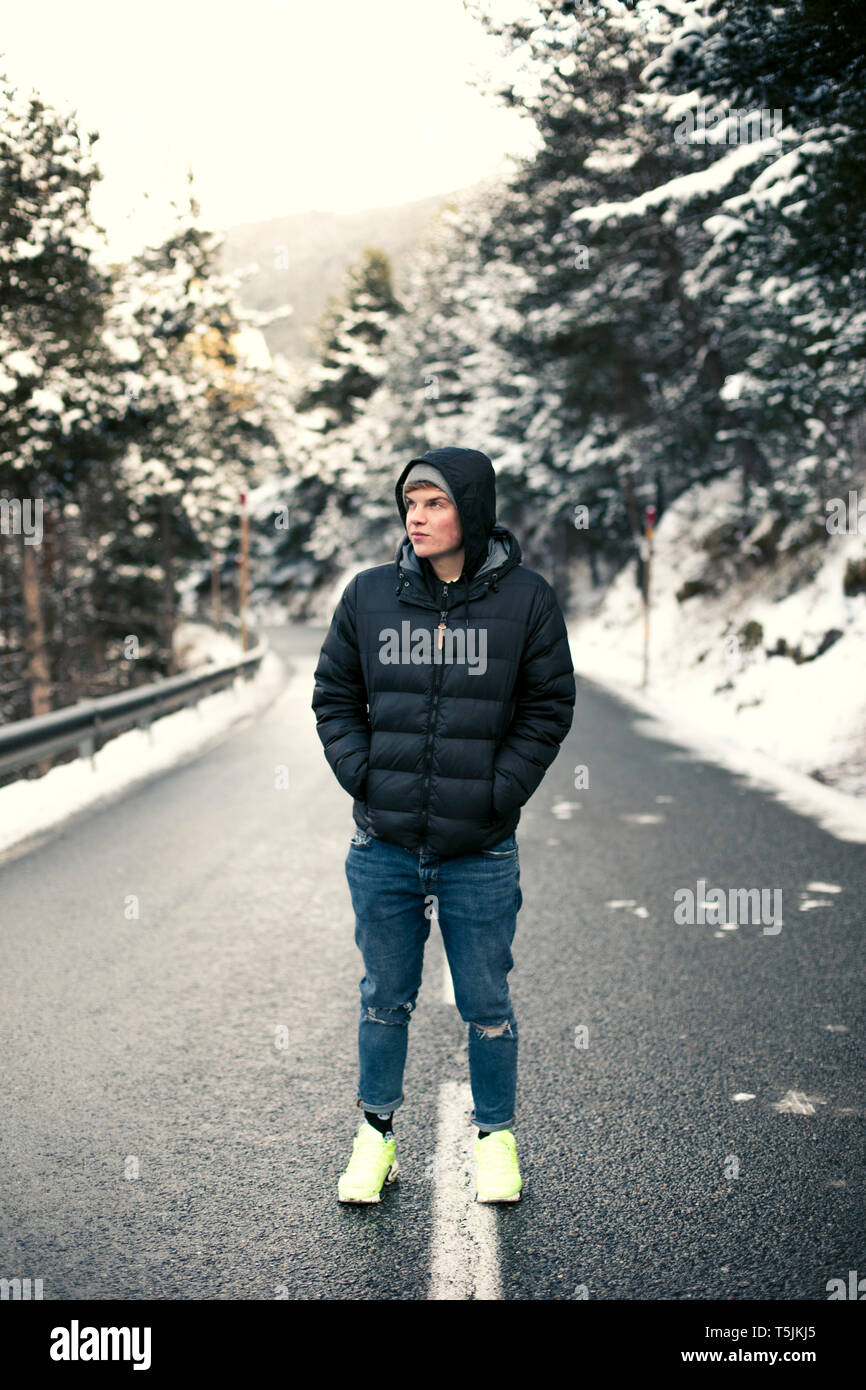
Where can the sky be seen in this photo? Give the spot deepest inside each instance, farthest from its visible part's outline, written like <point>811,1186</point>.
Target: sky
<point>278,106</point>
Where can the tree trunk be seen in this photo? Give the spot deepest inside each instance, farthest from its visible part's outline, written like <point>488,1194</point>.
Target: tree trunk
<point>593,567</point>
<point>168,581</point>
<point>37,667</point>
<point>215,586</point>
<point>10,637</point>
<point>753,467</point>
<point>561,573</point>
<point>245,570</point>
<point>54,647</point>
<point>71,649</point>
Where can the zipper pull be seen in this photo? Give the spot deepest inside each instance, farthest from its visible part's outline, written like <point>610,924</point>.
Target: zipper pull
<point>442,616</point>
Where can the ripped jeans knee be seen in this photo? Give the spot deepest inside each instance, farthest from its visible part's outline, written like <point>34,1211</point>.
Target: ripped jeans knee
<point>495,1030</point>
<point>399,1016</point>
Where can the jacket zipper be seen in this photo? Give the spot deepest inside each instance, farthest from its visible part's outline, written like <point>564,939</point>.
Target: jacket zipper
<point>434,712</point>
<point>424,602</point>
<point>442,616</point>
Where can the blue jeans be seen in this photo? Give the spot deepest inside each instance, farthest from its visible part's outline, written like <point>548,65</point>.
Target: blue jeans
<point>476,897</point>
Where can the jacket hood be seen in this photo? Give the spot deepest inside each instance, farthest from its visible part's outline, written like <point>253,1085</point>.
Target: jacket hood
<point>472,479</point>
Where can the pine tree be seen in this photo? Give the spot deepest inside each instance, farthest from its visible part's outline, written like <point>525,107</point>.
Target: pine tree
<point>785,254</point>
<point>195,425</point>
<point>53,367</point>
<point>351,330</point>
<point>324,490</point>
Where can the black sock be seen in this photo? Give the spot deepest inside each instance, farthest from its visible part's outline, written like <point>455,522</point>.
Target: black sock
<point>483,1133</point>
<point>382,1123</point>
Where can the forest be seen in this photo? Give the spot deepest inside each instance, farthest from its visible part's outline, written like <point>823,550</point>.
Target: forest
<point>670,290</point>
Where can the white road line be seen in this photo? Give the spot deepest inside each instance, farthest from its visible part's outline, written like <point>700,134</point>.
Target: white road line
<point>465,1235</point>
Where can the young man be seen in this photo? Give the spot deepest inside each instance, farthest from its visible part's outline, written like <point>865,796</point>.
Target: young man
<point>443,690</point>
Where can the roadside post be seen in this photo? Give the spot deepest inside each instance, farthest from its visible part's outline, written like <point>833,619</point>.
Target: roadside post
<point>646,556</point>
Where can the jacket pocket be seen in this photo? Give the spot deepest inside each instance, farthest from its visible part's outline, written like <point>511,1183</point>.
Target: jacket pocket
<point>352,774</point>
<point>499,808</point>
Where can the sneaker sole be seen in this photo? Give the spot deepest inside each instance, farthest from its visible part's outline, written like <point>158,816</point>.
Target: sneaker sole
<point>515,1198</point>
<point>392,1173</point>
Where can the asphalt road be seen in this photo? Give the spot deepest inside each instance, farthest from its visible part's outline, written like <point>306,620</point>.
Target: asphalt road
<point>162,1138</point>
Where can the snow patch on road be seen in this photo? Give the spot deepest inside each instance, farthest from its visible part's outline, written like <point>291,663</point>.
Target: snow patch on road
<point>797,1103</point>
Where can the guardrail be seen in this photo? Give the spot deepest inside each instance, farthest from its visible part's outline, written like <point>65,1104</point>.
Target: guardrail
<point>85,724</point>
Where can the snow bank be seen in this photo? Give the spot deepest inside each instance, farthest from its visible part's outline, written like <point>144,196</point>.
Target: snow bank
<point>712,679</point>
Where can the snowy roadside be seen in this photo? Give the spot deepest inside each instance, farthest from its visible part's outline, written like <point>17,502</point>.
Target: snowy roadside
<point>760,669</point>
<point>31,806</point>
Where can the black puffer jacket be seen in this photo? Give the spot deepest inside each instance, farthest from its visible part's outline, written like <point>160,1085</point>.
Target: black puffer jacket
<point>438,755</point>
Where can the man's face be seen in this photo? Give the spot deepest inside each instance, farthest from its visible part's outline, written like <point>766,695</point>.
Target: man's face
<point>433,522</point>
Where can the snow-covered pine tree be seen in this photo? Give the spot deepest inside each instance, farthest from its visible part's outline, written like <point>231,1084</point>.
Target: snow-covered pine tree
<point>785,253</point>
<point>333,437</point>
<point>349,364</point>
<point>53,382</point>
<point>196,426</point>
<point>618,369</point>
<point>440,368</point>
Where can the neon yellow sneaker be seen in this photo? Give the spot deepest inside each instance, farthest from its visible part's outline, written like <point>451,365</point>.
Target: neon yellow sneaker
<point>373,1163</point>
<point>497,1171</point>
